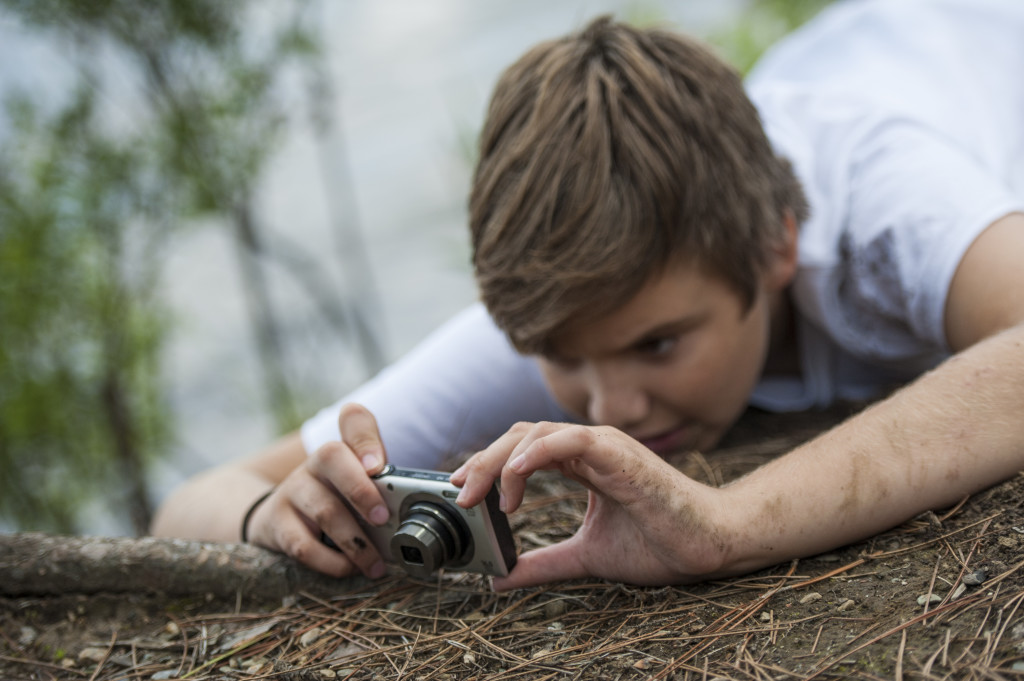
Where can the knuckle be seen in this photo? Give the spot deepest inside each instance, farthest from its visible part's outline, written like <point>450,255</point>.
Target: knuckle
<point>294,544</point>
<point>325,513</point>
<point>325,454</point>
<point>350,409</point>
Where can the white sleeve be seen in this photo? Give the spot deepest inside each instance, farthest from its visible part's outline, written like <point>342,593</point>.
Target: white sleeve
<point>456,392</point>
<point>915,204</point>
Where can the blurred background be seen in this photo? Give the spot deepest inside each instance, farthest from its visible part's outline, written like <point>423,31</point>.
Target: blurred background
<point>217,217</point>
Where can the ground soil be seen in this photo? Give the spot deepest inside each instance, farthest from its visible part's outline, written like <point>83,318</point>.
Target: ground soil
<point>894,606</point>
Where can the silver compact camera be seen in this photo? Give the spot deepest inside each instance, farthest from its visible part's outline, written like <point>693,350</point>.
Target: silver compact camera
<point>427,530</point>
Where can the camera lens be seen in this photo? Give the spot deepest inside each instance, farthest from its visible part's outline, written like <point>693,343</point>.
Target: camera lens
<point>430,536</point>
<point>411,554</point>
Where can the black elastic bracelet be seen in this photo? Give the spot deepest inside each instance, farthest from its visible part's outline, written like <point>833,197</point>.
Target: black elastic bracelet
<point>252,509</point>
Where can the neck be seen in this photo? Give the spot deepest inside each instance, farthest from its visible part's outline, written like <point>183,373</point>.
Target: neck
<point>783,356</point>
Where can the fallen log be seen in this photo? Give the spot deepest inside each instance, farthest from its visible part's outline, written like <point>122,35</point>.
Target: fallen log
<point>37,564</point>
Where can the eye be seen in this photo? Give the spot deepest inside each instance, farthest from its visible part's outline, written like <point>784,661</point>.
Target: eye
<point>561,362</point>
<point>657,347</point>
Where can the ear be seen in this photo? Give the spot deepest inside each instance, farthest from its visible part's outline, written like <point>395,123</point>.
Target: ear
<point>782,265</point>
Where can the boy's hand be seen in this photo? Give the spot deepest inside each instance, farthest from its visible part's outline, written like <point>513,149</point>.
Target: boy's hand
<point>646,522</point>
<point>309,501</point>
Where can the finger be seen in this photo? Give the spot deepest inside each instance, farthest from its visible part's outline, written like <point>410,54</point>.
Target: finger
<point>549,445</point>
<point>336,466</point>
<point>601,449</point>
<point>359,431</point>
<point>323,511</point>
<point>477,475</point>
<point>292,536</point>
<point>541,566</point>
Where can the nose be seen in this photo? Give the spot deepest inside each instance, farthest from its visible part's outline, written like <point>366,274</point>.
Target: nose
<point>615,398</point>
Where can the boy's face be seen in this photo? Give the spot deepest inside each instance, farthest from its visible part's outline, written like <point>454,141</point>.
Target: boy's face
<point>674,367</point>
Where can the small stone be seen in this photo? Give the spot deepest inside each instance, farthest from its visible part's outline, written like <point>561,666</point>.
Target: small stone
<point>766,617</point>
<point>642,664</point>
<point>925,598</point>
<point>328,674</point>
<point>164,675</point>
<point>27,636</point>
<point>537,654</point>
<point>172,629</point>
<point>1017,666</point>
<point>310,637</point>
<point>846,605</point>
<point>556,626</point>
<point>469,658</point>
<point>554,609</point>
<point>68,663</point>
<point>810,598</point>
<point>94,655</point>
<point>975,578</point>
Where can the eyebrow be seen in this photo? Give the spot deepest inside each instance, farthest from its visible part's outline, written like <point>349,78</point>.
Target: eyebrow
<point>674,327</point>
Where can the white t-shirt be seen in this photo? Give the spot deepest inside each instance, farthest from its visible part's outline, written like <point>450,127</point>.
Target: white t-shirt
<point>904,120</point>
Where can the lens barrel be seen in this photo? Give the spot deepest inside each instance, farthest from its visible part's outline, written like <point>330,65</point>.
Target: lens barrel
<point>429,537</point>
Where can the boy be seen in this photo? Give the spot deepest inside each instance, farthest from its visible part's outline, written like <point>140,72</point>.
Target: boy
<point>641,238</point>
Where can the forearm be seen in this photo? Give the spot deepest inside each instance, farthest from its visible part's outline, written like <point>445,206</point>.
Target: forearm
<point>954,431</point>
<point>210,506</point>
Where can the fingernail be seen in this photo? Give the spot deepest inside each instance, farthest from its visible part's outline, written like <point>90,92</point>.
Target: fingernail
<point>462,496</point>
<point>377,570</point>
<point>379,514</point>
<point>501,503</point>
<point>518,462</point>
<point>458,471</point>
<point>371,462</point>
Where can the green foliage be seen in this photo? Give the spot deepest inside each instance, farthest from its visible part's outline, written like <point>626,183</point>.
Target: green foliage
<point>759,26</point>
<point>84,212</point>
<point>81,333</point>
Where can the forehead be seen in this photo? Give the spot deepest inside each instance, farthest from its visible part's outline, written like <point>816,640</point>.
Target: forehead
<point>680,296</point>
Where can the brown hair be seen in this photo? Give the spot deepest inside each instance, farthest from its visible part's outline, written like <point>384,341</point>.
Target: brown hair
<point>606,155</point>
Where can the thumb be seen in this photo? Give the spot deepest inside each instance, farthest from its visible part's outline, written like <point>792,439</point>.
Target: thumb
<point>550,564</point>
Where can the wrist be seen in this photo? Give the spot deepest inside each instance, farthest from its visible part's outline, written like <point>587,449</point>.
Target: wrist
<point>244,530</point>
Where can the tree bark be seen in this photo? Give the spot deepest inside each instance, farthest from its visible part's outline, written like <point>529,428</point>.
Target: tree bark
<point>35,564</point>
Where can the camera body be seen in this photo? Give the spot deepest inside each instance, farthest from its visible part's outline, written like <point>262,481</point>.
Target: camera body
<point>427,530</point>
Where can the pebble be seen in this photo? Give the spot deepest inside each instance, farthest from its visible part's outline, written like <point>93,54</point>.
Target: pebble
<point>27,636</point>
<point>554,609</point>
<point>810,598</point>
<point>309,638</point>
<point>975,578</point>
<point>328,673</point>
<point>766,617</point>
<point>164,675</point>
<point>846,605</point>
<point>469,658</point>
<point>96,655</point>
<point>925,598</point>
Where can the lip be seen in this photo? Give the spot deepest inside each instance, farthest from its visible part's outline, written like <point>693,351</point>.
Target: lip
<point>669,441</point>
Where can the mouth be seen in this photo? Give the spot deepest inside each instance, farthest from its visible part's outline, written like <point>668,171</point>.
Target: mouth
<point>669,441</point>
